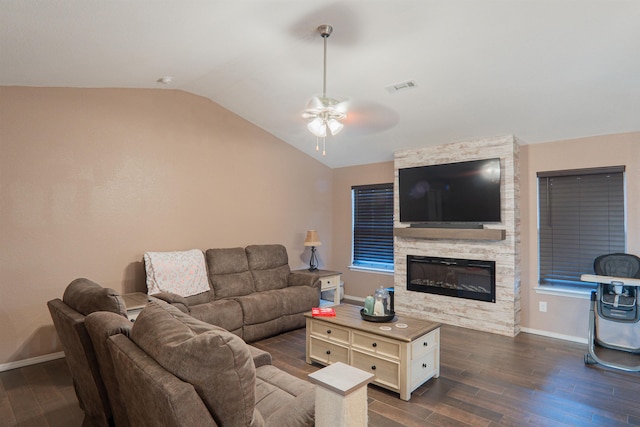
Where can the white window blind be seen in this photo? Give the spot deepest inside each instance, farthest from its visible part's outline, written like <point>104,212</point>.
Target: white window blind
<point>581,216</point>
<point>373,226</point>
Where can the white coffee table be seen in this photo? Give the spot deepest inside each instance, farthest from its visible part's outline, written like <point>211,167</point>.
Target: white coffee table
<point>402,358</point>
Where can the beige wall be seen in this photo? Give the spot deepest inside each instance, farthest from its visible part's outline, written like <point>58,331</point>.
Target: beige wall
<point>565,315</point>
<point>92,178</point>
<point>356,283</point>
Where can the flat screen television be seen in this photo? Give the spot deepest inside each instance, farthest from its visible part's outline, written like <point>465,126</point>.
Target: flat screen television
<point>464,192</point>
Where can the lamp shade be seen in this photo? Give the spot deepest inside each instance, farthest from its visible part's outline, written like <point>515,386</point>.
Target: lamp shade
<point>312,238</point>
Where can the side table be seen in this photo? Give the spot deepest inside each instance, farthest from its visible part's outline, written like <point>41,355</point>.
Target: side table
<point>329,280</point>
<point>134,303</point>
<point>341,396</point>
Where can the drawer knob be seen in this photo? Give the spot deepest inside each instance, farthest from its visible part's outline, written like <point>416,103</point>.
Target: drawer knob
<point>374,344</point>
<point>328,351</point>
<point>373,368</point>
<point>328,331</point>
<point>425,344</point>
<point>424,365</point>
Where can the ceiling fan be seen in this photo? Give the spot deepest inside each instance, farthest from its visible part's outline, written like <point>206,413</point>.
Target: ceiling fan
<point>325,114</point>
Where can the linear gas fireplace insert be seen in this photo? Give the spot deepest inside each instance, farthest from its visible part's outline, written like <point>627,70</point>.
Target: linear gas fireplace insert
<point>461,278</point>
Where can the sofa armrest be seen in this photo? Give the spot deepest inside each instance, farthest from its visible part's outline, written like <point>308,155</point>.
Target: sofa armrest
<point>304,279</point>
<point>176,300</point>
<point>260,357</point>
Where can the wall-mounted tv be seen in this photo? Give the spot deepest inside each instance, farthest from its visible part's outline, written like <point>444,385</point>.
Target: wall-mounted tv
<point>464,192</point>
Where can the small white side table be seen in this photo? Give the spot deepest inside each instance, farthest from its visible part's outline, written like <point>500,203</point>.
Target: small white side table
<point>341,396</point>
<point>329,280</point>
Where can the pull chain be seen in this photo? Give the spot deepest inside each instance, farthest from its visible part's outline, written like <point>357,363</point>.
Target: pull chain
<point>324,145</point>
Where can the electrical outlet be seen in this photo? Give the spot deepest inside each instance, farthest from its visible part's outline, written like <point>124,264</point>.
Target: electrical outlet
<point>543,306</point>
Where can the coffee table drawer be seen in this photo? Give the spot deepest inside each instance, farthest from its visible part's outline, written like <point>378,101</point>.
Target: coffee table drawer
<point>387,372</point>
<point>327,353</point>
<point>330,332</point>
<point>424,344</point>
<point>376,345</point>
<point>423,368</point>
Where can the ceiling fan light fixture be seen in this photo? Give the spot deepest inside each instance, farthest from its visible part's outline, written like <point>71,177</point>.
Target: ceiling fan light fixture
<point>317,127</point>
<point>334,126</point>
<point>324,112</point>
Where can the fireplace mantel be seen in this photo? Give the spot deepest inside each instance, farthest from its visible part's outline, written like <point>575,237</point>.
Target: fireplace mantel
<point>450,233</point>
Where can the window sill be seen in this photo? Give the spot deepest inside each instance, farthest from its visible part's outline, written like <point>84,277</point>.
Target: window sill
<point>564,291</point>
<point>370,270</point>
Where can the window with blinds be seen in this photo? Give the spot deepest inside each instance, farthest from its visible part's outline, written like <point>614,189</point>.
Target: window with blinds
<point>373,226</point>
<point>581,216</point>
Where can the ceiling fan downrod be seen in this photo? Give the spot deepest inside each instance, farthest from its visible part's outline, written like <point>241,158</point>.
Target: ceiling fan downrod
<point>325,31</point>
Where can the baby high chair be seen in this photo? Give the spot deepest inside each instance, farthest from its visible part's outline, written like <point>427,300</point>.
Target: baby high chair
<point>613,314</point>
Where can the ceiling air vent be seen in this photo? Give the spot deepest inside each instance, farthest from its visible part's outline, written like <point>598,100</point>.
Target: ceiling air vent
<point>401,87</point>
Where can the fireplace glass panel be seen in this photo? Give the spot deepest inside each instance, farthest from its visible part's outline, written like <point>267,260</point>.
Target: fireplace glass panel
<point>461,278</point>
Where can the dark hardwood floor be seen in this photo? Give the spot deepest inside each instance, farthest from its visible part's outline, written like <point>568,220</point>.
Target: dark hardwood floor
<point>39,395</point>
<point>491,380</point>
<point>485,380</point>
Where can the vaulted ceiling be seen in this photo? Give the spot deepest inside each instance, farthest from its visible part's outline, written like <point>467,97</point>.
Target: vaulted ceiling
<point>543,70</point>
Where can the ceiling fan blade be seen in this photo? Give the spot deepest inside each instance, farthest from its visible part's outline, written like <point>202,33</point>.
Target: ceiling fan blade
<point>315,103</point>
<point>366,118</point>
<point>342,106</point>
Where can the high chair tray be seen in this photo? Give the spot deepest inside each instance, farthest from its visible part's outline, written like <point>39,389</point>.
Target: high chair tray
<point>608,279</point>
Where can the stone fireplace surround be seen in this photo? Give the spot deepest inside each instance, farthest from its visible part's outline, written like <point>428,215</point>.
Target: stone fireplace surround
<point>499,242</point>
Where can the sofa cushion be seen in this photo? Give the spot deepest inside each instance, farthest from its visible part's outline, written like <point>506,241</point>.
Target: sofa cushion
<point>202,298</point>
<point>269,265</point>
<point>284,400</point>
<point>151,395</point>
<point>180,272</point>
<point>211,359</point>
<point>225,313</point>
<point>229,272</point>
<point>299,299</point>
<point>261,307</point>
<point>86,296</point>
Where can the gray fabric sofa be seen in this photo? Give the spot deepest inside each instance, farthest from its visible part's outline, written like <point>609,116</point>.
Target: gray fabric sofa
<point>174,370</point>
<point>253,292</point>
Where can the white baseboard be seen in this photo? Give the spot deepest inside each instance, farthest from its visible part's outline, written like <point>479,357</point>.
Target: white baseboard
<point>31,361</point>
<point>354,298</point>
<point>554,335</point>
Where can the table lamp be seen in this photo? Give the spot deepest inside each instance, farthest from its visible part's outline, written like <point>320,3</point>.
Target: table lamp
<point>313,241</point>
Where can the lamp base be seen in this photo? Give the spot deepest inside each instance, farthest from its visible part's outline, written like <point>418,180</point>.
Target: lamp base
<point>313,261</point>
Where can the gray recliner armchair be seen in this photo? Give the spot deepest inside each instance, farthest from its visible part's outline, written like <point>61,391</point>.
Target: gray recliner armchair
<point>80,298</point>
